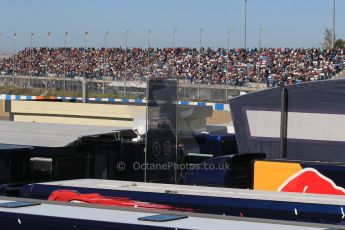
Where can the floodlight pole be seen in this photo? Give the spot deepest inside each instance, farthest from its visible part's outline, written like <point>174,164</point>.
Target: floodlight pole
<point>14,52</point>
<point>259,39</point>
<point>333,35</point>
<point>245,24</point>
<point>106,33</point>
<point>149,38</point>
<point>64,63</point>
<point>85,53</point>
<point>148,47</point>
<point>200,38</point>
<point>14,42</point>
<point>228,40</point>
<point>174,37</point>
<point>125,82</point>
<point>48,39</point>
<point>31,35</point>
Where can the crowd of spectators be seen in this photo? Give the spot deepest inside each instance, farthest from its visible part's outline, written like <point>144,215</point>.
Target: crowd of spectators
<point>238,67</point>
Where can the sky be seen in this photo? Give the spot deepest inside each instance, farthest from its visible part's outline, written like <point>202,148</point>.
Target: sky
<point>285,23</point>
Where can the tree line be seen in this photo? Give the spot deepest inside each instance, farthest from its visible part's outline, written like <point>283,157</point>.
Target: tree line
<point>328,38</point>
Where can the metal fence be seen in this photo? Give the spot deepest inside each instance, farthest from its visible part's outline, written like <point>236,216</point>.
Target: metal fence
<point>126,89</point>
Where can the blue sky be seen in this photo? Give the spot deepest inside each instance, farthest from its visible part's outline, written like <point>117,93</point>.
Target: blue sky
<point>286,23</point>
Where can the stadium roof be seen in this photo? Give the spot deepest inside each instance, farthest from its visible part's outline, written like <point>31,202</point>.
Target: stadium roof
<point>45,134</point>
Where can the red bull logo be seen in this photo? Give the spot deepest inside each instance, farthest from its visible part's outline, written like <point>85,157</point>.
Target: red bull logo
<point>291,177</point>
<point>310,180</point>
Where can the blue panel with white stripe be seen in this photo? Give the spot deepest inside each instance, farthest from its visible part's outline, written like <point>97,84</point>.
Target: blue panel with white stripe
<point>219,106</point>
<point>216,106</point>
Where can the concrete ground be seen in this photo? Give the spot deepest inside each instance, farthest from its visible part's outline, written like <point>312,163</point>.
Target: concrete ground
<point>219,117</point>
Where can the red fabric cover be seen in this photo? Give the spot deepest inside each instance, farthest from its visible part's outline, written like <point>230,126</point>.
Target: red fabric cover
<point>95,198</point>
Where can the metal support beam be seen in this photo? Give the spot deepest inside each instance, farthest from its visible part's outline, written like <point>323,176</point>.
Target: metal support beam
<point>283,122</point>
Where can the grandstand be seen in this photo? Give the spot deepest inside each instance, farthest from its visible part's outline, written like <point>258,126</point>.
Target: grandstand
<point>236,67</point>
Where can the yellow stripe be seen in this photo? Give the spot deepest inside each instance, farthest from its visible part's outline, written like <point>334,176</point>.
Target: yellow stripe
<point>269,175</point>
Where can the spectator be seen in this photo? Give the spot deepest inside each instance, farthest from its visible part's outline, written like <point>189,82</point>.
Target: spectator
<point>226,67</point>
